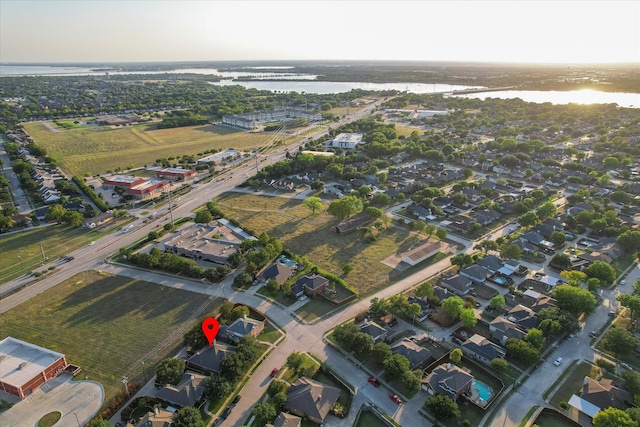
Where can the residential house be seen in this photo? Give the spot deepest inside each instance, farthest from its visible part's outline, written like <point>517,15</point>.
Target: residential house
<point>599,395</point>
<point>277,271</point>
<point>242,327</point>
<point>441,293</point>
<point>482,349</point>
<point>475,272</point>
<point>457,284</point>
<point>424,306</point>
<point>537,301</point>
<point>594,256</point>
<point>491,263</point>
<point>420,212</point>
<point>448,379</point>
<point>460,224</point>
<point>311,285</point>
<point>311,399</point>
<point>425,251</point>
<point>579,207</point>
<point>377,332</point>
<point>285,420</point>
<point>208,359</point>
<point>536,239</point>
<point>524,317</point>
<point>416,354</point>
<point>158,418</point>
<point>347,140</point>
<point>188,391</point>
<point>502,329</point>
<point>486,216</point>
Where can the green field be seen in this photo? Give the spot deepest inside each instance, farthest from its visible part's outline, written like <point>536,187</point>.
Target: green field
<point>311,235</point>
<point>21,252</point>
<point>83,150</point>
<point>108,324</point>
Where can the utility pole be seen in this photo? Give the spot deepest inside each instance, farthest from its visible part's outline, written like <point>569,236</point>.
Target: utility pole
<point>170,208</point>
<point>255,150</point>
<point>42,251</point>
<point>124,382</point>
<point>144,372</point>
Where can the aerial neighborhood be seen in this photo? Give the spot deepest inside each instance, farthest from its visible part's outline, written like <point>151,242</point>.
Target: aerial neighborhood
<point>379,258</point>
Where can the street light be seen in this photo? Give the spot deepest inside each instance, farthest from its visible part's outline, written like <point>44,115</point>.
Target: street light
<point>144,372</point>
<point>76,415</point>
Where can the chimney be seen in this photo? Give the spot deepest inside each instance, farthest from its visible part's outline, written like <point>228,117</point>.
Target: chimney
<point>585,386</point>
<point>156,411</point>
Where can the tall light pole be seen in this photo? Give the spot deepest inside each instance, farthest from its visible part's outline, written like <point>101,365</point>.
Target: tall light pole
<point>144,372</point>
<point>21,264</point>
<point>126,388</point>
<point>76,415</point>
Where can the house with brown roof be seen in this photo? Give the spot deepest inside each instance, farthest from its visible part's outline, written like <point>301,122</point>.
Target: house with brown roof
<point>448,379</point>
<point>278,272</point>
<point>285,420</point>
<point>311,399</point>
<point>598,395</point>
<point>425,251</point>
<point>157,418</point>
<point>311,285</point>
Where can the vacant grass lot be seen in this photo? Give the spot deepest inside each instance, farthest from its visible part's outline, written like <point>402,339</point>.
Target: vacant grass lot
<point>95,150</point>
<point>21,252</point>
<point>311,235</point>
<point>108,324</point>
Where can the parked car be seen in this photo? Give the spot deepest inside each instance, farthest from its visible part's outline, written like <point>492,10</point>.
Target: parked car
<point>592,334</point>
<point>274,372</point>
<point>558,361</point>
<point>226,413</point>
<point>395,398</point>
<point>611,313</point>
<point>625,366</point>
<point>236,400</point>
<point>374,381</point>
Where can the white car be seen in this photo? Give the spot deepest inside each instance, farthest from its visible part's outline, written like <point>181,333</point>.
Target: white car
<point>558,361</point>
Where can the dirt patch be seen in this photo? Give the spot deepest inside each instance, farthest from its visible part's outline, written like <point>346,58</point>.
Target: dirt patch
<point>52,128</point>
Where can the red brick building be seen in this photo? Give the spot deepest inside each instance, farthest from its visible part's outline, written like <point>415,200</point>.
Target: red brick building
<point>24,367</point>
<point>176,174</point>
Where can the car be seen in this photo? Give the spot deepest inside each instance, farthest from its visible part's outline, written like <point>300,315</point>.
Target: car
<point>374,381</point>
<point>558,361</point>
<point>302,298</point>
<point>395,398</point>
<point>625,366</point>
<point>274,371</point>
<point>226,413</point>
<point>623,282</point>
<point>456,340</point>
<point>611,313</point>
<point>92,243</point>
<point>570,337</point>
<point>592,334</point>
<point>236,400</point>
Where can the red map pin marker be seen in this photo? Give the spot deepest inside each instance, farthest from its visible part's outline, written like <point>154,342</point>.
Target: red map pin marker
<point>210,327</point>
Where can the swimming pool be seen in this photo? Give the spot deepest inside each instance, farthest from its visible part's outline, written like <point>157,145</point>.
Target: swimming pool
<point>482,390</point>
<point>500,280</point>
<point>286,261</point>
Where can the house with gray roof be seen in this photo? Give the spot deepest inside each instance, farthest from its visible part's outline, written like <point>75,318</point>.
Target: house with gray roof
<point>482,349</point>
<point>416,354</point>
<point>188,391</point>
<point>475,272</point>
<point>524,317</point>
<point>208,359</point>
<point>448,379</point>
<point>377,332</point>
<point>311,399</point>
<point>491,263</point>
<point>285,420</point>
<point>242,327</point>
<point>312,285</point>
<point>502,329</point>
<point>600,394</point>
<point>457,284</point>
<point>278,272</point>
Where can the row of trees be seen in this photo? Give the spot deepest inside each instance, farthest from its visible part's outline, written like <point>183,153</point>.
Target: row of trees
<point>177,264</point>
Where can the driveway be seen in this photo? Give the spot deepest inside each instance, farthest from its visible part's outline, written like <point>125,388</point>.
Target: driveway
<point>78,401</point>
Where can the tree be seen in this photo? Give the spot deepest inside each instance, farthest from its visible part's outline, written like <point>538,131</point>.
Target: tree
<point>522,350</point>
<point>169,371</point>
<point>380,200</point>
<point>560,262</point>
<point>499,364</point>
<point>381,352</point>
<point>443,407</point>
<point>574,277</point>
<point>313,203</point>
<point>99,422</point>
<point>73,218</point>
<point>203,217</point>
<point>550,327</point>
<point>601,270</point>
<point>547,210</point>
<point>295,361</point>
<point>379,307</point>
<point>424,290</point>
<point>487,245</point>
<point>237,313</point>
<point>461,259</point>
<point>453,306</point>
<point>441,233</point>
<point>347,268</point>
<point>187,417</point>
<point>217,387</point>
<point>455,356</point>
<point>497,303</point>
<point>276,387</point>
<point>629,241</point>
<point>558,238</point>
<point>195,338</point>
<point>632,302</point>
<point>593,284</point>
<point>362,343</point>
<point>511,252</point>
<point>430,229</point>
<point>535,337</point>
<point>265,412</point>
<point>529,219</point>
<point>613,417</point>
<point>344,207</point>
<point>395,366</point>
<point>619,340</point>
<point>468,317</point>
<point>574,300</point>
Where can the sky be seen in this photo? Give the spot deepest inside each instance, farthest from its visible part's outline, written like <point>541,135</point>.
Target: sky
<point>578,31</point>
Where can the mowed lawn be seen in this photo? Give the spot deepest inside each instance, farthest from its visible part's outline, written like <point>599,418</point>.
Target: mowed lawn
<point>96,150</point>
<point>311,235</point>
<point>108,324</point>
<point>21,252</point>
